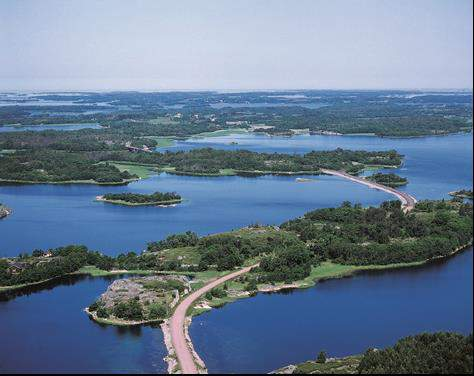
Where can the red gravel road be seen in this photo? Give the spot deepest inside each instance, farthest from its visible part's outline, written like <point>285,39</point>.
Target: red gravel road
<point>177,321</point>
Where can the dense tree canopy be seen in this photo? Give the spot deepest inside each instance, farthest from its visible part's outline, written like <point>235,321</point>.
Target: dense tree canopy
<point>438,353</point>
<point>385,235</point>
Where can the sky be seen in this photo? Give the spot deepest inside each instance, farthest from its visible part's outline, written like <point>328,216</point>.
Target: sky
<point>235,44</point>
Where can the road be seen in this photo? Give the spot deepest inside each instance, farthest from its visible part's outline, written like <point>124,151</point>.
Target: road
<point>177,321</point>
<point>408,201</point>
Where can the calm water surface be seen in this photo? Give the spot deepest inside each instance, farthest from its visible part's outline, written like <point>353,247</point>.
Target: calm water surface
<point>47,331</point>
<point>343,317</point>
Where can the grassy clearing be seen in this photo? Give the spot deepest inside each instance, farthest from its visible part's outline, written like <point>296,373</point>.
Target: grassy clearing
<point>221,132</point>
<point>187,255</point>
<point>162,142</point>
<point>142,171</point>
<point>96,272</point>
<point>7,151</point>
<point>162,120</point>
<point>347,365</point>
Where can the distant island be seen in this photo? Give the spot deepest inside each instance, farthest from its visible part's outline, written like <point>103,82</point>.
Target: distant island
<point>437,353</point>
<point>390,180</point>
<point>463,193</point>
<point>137,199</point>
<point>4,211</point>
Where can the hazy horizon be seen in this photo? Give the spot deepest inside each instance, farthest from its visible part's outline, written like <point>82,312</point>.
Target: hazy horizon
<point>226,91</point>
<point>261,45</point>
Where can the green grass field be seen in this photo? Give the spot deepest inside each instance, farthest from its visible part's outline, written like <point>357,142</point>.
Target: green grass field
<point>141,171</point>
<point>220,132</point>
<point>162,142</point>
<point>162,120</point>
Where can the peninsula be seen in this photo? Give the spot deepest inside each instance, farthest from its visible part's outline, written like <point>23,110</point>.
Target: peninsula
<point>139,300</point>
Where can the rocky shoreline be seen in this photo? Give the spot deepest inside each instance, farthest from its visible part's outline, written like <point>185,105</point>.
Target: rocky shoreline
<point>4,211</point>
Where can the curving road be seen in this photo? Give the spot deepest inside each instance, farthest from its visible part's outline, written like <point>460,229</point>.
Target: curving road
<point>408,201</point>
<point>177,321</point>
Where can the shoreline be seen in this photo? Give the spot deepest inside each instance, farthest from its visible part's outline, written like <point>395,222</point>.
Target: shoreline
<point>118,322</point>
<point>93,272</point>
<point>463,196</point>
<point>5,211</point>
<point>65,182</point>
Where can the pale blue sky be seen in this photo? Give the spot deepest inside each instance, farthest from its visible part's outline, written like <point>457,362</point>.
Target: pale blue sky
<point>235,44</point>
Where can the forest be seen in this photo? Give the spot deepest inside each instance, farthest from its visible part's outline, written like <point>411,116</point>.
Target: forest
<point>211,161</point>
<point>58,166</point>
<point>437,353</point>
<point>45,165</point>
<point>354,235</point>
<point>44,265</point>
<point>425,353</point>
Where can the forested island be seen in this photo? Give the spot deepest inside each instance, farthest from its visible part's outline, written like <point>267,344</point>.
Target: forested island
<point>390,180</point>
<point>136,199</point>
<point>436,353</point>
<point>463,193</point>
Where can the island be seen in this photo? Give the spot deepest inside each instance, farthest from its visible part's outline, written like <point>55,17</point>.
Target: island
<point>463,193</point>
<point>4,211</point>
<point>426,353</point>
<point>136,199</point>
<point>390,180</point>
